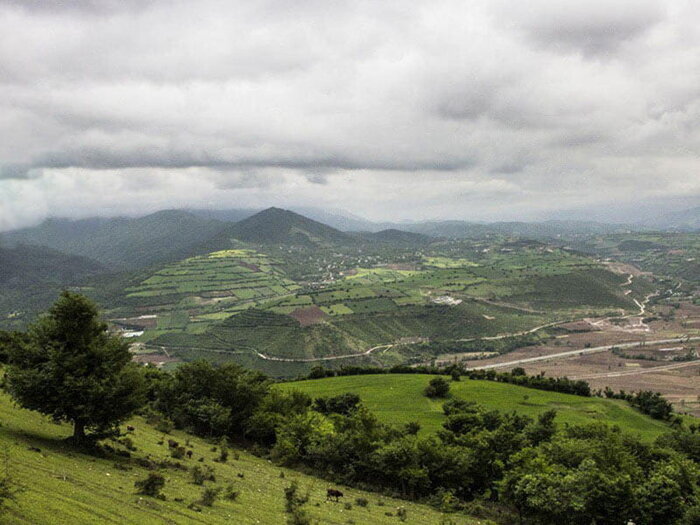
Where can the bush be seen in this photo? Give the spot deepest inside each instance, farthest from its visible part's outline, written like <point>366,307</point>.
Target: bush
<point>361,502</point>
<point>231,493</point>
<point>151,486</point>
<point>401,513</point>
<point>209,496</point>
<point>202,474</point>
<point>165,426</point>
<point>178,453</point>
<point>438,387</point>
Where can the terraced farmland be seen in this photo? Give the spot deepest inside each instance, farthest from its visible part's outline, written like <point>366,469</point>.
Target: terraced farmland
<point>441,299</point>
<point>193,293</point>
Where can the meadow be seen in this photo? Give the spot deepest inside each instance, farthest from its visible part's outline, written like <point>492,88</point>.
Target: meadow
<point>399,399</point>
<point>62,486</point>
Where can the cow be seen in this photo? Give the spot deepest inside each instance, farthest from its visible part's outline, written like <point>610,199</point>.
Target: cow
<point>129,428</point>
<point>173,444</point>
<point>333,493</point>
<point>189,454</point>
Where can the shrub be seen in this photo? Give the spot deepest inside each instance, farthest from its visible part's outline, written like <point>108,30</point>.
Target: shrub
<point>209,496</point>
<point>438,387</point>
<point>178,453</point>
<point>361,502</point>
<point>151,486</point>
<point>231,493</point>
<point>165,426</point>
<point>401,513</point>
<point>202,474</point>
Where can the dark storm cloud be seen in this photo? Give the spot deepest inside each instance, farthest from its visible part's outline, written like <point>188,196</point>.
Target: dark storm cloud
<point>488,107</point>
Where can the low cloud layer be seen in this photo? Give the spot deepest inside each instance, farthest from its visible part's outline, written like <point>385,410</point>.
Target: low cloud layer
<point>394,110</point>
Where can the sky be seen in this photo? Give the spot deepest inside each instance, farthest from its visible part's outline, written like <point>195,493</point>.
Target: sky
<point>391,110</point>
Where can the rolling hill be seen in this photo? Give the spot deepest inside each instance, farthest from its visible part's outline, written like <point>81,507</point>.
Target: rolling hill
<point>122,243</point>
<point>399,399</point>
<point>24,265</point>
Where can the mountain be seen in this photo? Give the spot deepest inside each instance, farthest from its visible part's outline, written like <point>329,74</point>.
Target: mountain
<point>338,219</point>
<point>122,243</point>
<point>394,236</point>
<point>534,230</point>
<point>232,215</point>
<point>277,226</point>
<point>23,265</point>
<point>685,220</point>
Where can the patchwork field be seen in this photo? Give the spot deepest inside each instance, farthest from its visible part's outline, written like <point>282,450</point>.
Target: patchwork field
<point>239,305</point>
<point>399,399</point>
<point>62,486</point>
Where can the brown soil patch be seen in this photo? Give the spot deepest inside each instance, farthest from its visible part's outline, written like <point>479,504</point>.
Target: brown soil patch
<point>308,316</point>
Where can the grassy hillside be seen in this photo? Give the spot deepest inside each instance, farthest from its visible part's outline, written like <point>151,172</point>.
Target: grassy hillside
<point>63,486</point>
<point>398,398</point>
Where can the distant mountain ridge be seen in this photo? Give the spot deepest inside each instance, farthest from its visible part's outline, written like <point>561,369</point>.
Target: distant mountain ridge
<point>24,265</point>
<point>121,243</point>
<point>688,220</point>
<point>278,226</point>
<point>392,235</point>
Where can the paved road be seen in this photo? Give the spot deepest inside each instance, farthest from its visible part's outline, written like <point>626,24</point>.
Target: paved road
<point>582,351</point>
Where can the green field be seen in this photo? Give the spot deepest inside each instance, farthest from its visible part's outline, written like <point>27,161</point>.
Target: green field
<point>240,302</point>
<point>61,486</point>
<point>398,399</point>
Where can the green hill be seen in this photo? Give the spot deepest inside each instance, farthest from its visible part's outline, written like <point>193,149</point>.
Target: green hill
<point>23,265</point>
<point>277,226</point>
<point>63,486</point>
<point>398,399</point>
<point>121,243</point>
<point>32,276</point>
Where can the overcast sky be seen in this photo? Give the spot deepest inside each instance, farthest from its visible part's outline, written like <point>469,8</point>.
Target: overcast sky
<point>486,110</point>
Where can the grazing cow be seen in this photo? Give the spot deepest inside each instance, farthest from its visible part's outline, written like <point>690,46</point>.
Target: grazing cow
<point>189,454</point>
<point>129,428</point>
<point>333,493</point>
<point>173,444</point>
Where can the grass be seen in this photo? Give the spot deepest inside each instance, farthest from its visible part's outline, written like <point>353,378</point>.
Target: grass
<point>398,399</point>
<point>64,486</point>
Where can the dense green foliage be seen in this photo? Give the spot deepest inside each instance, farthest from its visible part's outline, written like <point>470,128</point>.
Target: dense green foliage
<point>71,369</point>
<point>507,458</point>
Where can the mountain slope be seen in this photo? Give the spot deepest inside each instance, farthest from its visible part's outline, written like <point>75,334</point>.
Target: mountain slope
<point>121,243</point>
<point>277,226</point>
<point>688,220</point>
<point>29,265</point>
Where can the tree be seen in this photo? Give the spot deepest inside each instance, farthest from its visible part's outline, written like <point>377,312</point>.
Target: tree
<point>437,387</point>
<point>69,367</point>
